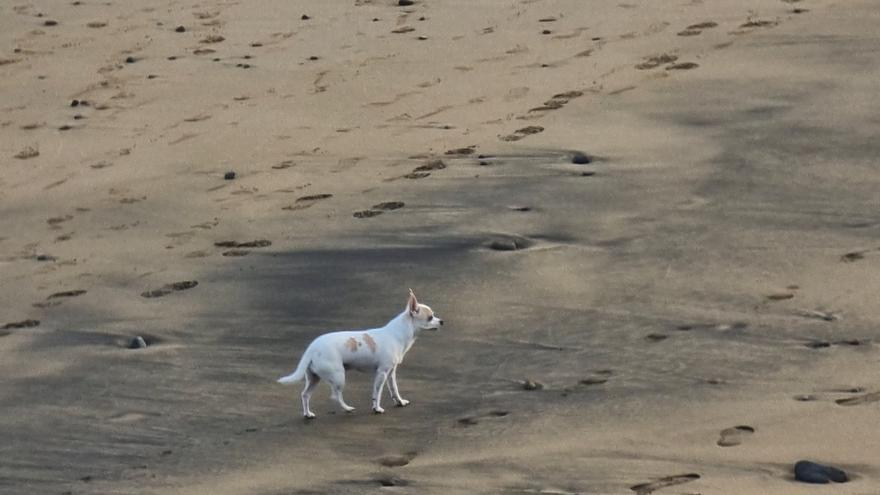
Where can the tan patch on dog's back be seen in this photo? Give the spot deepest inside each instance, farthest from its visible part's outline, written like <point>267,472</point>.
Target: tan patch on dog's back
<point>370,343</point>
<point>352,344</point>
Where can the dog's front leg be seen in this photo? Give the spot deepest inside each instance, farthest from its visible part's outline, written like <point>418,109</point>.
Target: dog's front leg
<point>395,394</point>
<point>378,385</point>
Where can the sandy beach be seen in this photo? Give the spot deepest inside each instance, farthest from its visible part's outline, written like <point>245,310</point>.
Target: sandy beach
<point>664,217</point>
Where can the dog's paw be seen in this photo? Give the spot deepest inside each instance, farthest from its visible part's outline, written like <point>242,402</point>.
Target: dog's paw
<point>309,415</point>
<point>401,402</point>
<point>378,410</point>
<point>348,409</point>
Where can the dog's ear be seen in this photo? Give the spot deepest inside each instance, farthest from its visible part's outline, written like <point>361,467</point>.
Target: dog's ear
<point>413,304</point>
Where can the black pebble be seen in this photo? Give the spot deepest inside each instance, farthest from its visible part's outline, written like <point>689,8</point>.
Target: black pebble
<point>580,159</point>
<point>812,472</point>
<point>305,17</point>
<point>180,29</point>
<point>229,175</point>
<point>138,343</point>
<point>74,103</point>
<point>405,3</point>
<point>130,60</point>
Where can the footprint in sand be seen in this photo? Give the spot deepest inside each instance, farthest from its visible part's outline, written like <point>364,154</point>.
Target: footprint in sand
<point>378,209</point>
<point>695,29</point>
<point>259,243</point>
<point>304,202</point>
<point>656,61</point>
<point>650,487</point>
<point>169,288</point>
<point>67,293</point>
<point>521,133</point>
<point>396,460</point>
<point>736,435</point>
<point>557,101</point>
<point>21,324</point>
<point>683,66</point>
<point>856,255</point>
<point>859,399</point>
<point>462,151</point>
<point>475,420</point>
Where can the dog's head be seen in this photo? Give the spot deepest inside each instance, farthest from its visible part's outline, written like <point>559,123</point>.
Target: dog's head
<point>423,317</point>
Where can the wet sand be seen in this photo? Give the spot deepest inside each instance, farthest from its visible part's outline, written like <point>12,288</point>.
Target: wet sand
<point>694,300</point>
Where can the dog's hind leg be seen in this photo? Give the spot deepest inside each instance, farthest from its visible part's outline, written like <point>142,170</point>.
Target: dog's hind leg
<point>312,381</point>
<point>378,385</point>
<point>392,387</point>
<point>337,383</point>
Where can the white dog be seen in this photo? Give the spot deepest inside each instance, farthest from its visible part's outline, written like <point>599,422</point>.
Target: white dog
<point>379,349</point>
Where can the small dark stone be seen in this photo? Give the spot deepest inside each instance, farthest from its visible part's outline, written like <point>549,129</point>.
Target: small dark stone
<point>405,3</point>
<point>305,17</point>
<point>229,176</point>
<point>74,103</point>
<point>137,343</point>
<point>580,159</point>
<point>130,60</point>
<point>532,385</point>
<point>180,29</point>
<point>812,472</point>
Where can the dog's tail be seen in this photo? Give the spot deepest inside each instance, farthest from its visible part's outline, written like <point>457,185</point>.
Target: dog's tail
<point>300,370</point>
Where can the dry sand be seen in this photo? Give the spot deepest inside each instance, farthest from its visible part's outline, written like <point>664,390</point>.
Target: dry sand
<point>715,262</point>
